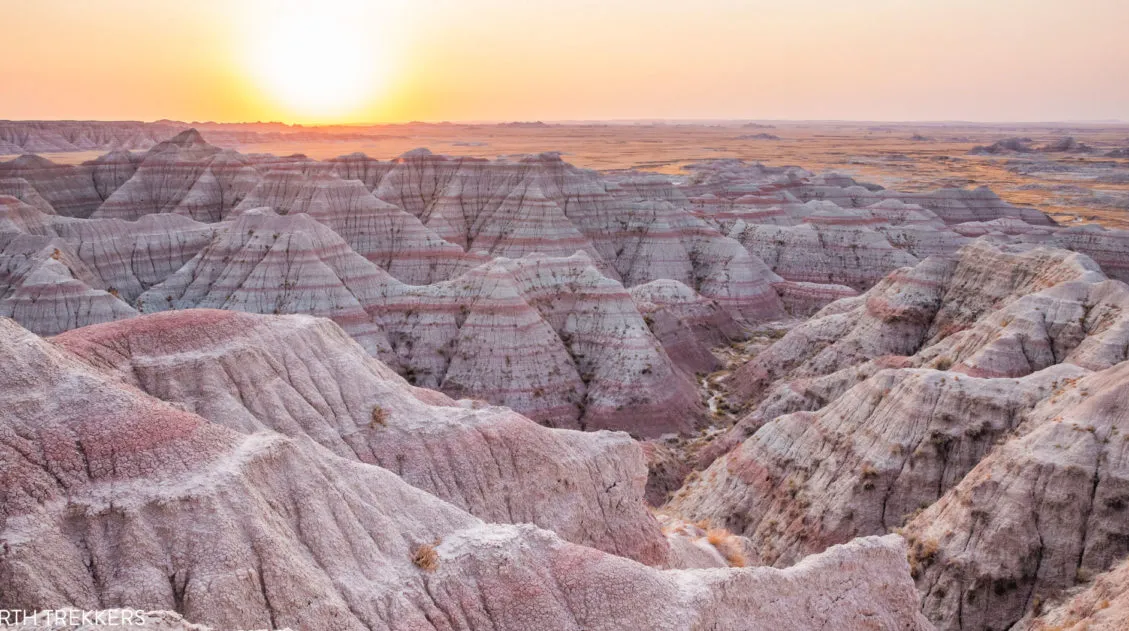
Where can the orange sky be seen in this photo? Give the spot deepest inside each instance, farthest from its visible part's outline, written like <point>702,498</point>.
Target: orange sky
<point>393,60</point>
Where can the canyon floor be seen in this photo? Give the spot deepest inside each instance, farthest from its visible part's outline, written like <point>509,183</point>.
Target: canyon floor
<point>566,376</point>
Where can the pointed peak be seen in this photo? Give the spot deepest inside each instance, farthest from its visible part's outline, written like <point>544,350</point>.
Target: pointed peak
<point>188,138</point>
<point>30,161</point>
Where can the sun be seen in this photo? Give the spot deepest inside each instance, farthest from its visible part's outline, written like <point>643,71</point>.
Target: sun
<point>318,62</point>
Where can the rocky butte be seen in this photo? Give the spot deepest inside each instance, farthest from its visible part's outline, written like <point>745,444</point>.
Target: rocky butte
<point>440,392</point>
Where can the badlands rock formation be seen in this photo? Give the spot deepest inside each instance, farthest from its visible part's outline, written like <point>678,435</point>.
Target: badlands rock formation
<point>324,387</point>
<point>830,231</point>
<point>22,137</point>
<point>61,273</point>
<point>550,337</point>
<point>56,136</point>
<point>117,498</point>
<point>23,191</point>
<point>70,190</point>
<point>541,204</point>
<point>1101,606</point>
<point>240,416</point>
<point>979,388</point>
<point>1026,145</point>
<point>686,324</point>
<point>824,252</point>
<point>737,245</point>
<point>45,285</point>
<point>186,176</point>
<point>942,303</point>
<point>1044,511</point>
<point>382,233</point>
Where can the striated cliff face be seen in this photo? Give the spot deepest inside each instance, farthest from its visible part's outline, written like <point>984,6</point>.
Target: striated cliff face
<point>972,403</point>
<point>23,191</point>
<point>1103,605</point>
<point>53,136</point>
<point>70,190</point>
<point>830,255</point>
<point>302,377</point>
<point>552,338</point>
<point>634,233</point>
<point>274,396</point>
<point>276,518</point>
<point>741,243</point>
<point>403,253</point>
<point>382,233</point>
<point>1039,514</point>
<point>185,176</point>
<point>46,286</point>
<point>937,304</point>
<point>873,457</point>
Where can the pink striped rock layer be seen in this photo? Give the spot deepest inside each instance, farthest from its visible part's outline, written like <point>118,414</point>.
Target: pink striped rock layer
<point>118,499</point>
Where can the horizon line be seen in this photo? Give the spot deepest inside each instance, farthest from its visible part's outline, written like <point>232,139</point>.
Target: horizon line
<point>606,121</point>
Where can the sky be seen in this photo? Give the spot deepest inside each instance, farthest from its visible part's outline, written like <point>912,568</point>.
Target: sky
<point>354,61</point>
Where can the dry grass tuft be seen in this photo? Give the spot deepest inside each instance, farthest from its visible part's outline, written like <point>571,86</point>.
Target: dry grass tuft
<point>425,557</point>
<point>734,556</point>
<point>728,546</point>
<point>379,417</point>
<point>920,554</point>
<point>716,536</point>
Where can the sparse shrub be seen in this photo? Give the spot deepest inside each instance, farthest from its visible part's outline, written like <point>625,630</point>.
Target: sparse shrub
<point>716,536</point>
<point>410,374</point>
<point>868,475</point>
<point>379,417</point>
<point>734,556</point>
<point>943,363</point>
<point>425,557</point>
<point>913,515</point>
<point>940,439</point>
<point>728,546</point>
<point>920,554</point>
<point>976,431</point>
<point>926,550</point>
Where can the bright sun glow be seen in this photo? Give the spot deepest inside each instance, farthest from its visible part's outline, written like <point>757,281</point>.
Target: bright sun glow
<point>318,62</point>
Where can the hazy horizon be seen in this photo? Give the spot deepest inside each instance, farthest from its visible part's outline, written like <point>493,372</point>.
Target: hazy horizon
<point>590,121</point>
<point>352,62</point>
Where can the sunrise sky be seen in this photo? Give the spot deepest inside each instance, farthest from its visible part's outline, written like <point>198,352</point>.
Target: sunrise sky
<point>334,61</point>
